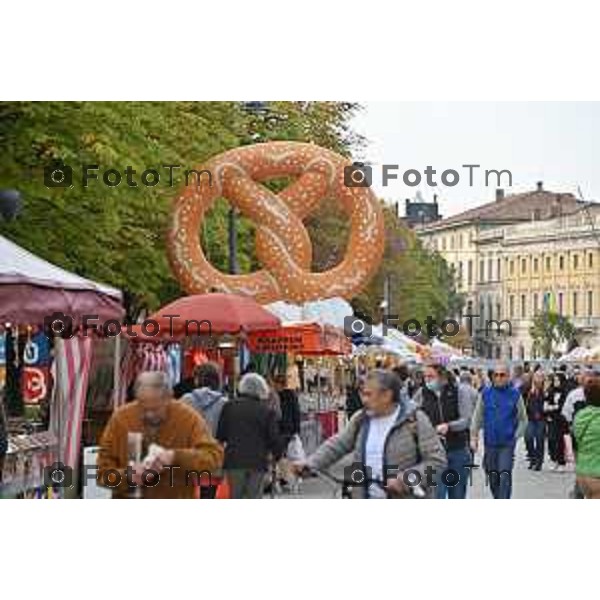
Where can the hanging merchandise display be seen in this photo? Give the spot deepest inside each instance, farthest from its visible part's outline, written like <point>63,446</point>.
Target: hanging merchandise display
<point>27,464</point>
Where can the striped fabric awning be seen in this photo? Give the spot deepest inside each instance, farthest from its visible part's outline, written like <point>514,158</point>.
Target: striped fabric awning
<point>71,372</point>
<point>139,358</point>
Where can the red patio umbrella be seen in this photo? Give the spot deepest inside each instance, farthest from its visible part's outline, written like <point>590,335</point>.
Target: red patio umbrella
<point>213,314</point>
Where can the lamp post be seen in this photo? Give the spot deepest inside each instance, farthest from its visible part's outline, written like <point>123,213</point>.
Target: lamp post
<point>257,109</point>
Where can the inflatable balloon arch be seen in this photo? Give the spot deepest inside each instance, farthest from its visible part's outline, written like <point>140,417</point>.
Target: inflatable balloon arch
<point>283,246</point>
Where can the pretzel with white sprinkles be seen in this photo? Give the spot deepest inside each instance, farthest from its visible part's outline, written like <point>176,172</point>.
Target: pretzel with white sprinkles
<point>282,243</point>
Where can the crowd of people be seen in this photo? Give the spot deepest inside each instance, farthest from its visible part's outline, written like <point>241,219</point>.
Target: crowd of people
<point>411,432</point>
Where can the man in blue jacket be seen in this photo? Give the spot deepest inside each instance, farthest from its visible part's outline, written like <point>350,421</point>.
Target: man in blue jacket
<point>500,412</point>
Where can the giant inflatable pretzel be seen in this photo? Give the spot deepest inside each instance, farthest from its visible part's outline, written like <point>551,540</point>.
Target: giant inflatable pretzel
<point>282,243</point>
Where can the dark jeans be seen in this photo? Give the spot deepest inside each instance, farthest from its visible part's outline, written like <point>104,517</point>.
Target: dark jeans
<point>534,440</point>
<point>458,462</point>
<point>556,442</point>
<point>498,464</point>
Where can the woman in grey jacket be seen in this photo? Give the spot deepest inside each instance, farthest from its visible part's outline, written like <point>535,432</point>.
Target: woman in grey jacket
<point>389,441</point>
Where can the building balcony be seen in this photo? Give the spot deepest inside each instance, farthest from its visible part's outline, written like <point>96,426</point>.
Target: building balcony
<point>485,237</point>
<point>586,324</point>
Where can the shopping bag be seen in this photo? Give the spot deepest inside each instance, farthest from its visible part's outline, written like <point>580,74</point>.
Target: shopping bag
<point>295,450</point>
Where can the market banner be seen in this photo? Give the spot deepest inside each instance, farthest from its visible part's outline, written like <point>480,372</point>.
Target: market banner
<point>309,339</point>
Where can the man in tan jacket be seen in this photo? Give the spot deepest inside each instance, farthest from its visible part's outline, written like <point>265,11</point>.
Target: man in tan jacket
<point>175,451</point>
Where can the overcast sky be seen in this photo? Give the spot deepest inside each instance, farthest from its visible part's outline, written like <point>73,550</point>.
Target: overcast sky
<point>553,142</point>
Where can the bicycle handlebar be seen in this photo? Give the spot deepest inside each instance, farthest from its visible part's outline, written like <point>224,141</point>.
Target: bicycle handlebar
<point>415,491</point>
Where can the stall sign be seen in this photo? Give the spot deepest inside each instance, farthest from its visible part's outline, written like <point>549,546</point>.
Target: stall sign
<point>277,343</point>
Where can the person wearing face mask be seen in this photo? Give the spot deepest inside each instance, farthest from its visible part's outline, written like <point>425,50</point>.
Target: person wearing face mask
<point>501,413</point>
<point>449,407</point>
<point>387,439</point>
<point>586,429</point>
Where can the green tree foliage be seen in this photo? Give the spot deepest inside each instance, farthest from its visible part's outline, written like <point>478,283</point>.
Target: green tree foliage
<point>421,283</point>
<point>548,330</point>
<point>116,234</point>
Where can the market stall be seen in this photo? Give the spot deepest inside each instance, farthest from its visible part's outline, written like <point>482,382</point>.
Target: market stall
<point>190,331</point>
<point>319,352</point>
<point>44,378</point>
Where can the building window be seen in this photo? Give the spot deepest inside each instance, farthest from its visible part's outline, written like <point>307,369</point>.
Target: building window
<point>576,261</point>
<point>523,306</point>
<point>470,272</point>
<point>510,353</point>
<point>460,273</point>
<point>511,306</point>
<point>451,242</point>
<point>548,263</point>
<point>481,271</point>
<point>499,269</point>
<point>590,303</point>
<point>523,265</point>
<point>535,304</point>
<point>498,310</point>
<point>561,263</point>
<point>512,267</point>
<point>560,303</point>
<point>590,260</point>
<point>574,304</point>
<point>460,241</point>
<point>535,265</point>
<point>490,269</point>
<point>443,243</point>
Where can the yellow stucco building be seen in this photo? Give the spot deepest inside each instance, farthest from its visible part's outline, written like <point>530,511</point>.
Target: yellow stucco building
<point>510,254</point>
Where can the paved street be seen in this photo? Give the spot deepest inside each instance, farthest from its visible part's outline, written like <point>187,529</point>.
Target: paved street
<point>527,484</point>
